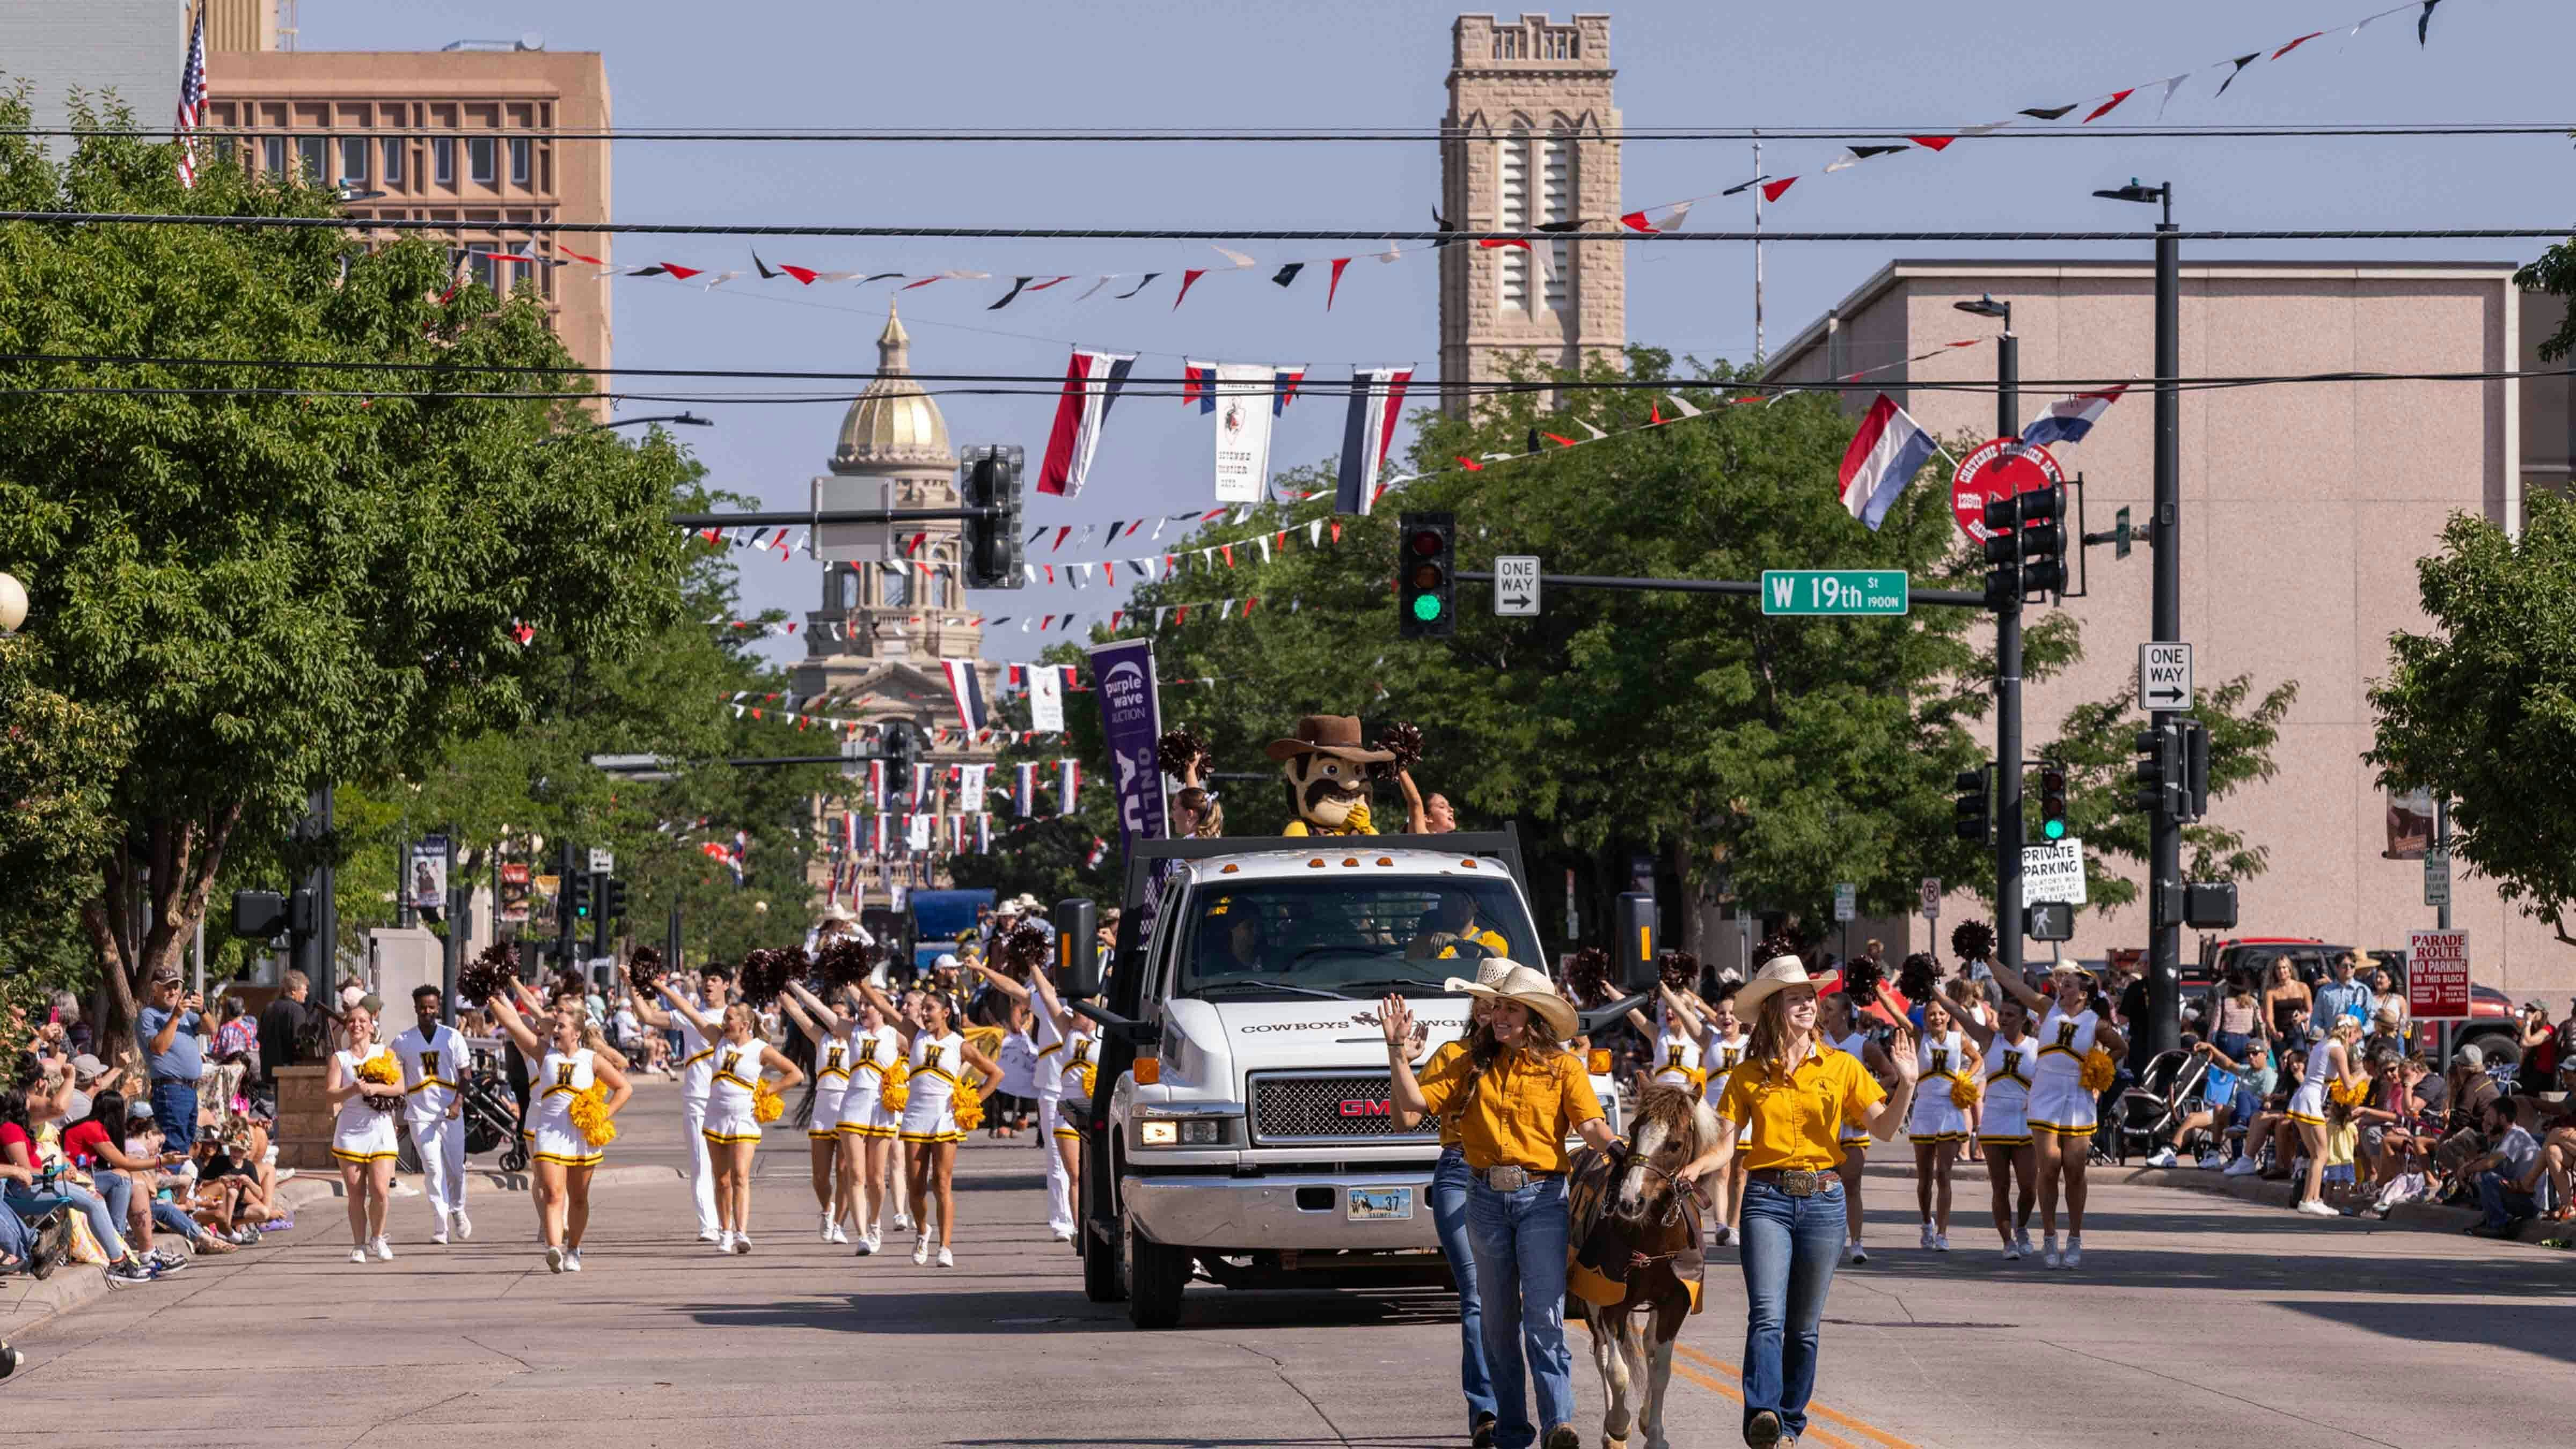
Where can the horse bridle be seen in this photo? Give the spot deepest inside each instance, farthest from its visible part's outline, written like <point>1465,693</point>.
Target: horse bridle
<point>1673,1203</point>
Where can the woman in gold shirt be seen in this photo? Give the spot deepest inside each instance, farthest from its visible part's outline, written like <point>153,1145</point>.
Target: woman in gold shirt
<point>1793,1094</point>
<point>1517,1095</point>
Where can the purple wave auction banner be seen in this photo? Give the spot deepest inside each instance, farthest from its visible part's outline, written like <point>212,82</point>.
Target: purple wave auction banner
<point>1131,718</point>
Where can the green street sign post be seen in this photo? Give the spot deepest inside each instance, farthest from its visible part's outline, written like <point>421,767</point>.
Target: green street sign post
<point>1836,591</point>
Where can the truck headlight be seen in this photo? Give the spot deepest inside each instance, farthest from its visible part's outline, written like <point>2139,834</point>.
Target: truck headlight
<point>1181,1132</point>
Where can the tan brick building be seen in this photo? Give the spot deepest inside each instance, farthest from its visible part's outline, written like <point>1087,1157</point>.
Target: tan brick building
<point>458,135</point>
<point>2304,510</point>
<point>1529,122</point>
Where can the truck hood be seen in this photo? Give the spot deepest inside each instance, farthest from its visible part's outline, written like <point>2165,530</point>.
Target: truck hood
<point>1219,1042</point>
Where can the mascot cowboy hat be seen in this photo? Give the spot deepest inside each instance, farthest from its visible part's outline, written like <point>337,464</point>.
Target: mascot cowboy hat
<point>1337,735</point>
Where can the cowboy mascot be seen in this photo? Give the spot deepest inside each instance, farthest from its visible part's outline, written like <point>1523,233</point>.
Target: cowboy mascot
<point>1328,772</point>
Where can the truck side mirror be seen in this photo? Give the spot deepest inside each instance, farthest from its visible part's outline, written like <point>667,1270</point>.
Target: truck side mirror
<point>1633,950</point>
<point>1077,948</point>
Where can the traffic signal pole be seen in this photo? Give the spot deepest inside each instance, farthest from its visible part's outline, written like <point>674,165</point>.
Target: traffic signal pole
<point>2164,538</point>
<point>2008,779</point>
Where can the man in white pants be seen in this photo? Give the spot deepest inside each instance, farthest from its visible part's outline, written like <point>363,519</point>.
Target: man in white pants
<point>697,1078</point>
<point>434,1059</point>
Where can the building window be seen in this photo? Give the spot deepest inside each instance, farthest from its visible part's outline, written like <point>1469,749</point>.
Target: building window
<point>442,156</point>
<point>523,167</point>
<point>309,160</point>
<point>353,158</point>
<point>893,587</point>
<point>1556,198</point>
<point>393,162</point>
<point>1512,213</point>
<point>272,156</point>
<point>479,152</point>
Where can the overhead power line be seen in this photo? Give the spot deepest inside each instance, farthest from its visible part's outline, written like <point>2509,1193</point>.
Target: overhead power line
<point>1027,233</point>
<point>1131,135</point>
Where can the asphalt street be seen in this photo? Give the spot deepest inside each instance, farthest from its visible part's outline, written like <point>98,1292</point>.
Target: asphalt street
<point>2194,1319</point>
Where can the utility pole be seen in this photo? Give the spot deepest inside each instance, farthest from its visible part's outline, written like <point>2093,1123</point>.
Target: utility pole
<point>2164,536</point>
<point>1757,250</point>
<point>460,923</point>
<point>2442,843</point>
<point>2007,693</point>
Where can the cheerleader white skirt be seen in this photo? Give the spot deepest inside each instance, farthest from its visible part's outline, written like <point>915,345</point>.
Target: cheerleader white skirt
<point>1934,1117</point>
<point>563,1143</point>
<point>826,1121</point>
<point>2060,1105</point>
<point>731,1125</point>
<point>370,1139</point>
<point>2308,1104</point>
<point>863,1112</point>
<point>2006,1122</point>
<point>929,1119</point>
<point>1051,1120</point>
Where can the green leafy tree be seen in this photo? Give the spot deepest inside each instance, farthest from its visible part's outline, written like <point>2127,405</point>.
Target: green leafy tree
<point>2555,274</point>
<point>2481,709</point>
<point>270,591</point>
<point>2097,744</point>
<point>1756,757</point>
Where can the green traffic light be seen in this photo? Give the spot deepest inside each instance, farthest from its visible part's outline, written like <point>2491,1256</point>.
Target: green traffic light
<point>2053,829</point>
<point>1426,607</point>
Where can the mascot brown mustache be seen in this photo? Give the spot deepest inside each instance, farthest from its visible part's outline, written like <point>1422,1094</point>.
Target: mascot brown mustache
<point>1329,771</point>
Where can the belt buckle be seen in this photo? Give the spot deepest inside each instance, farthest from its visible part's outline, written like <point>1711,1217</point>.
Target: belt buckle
<point>1509,1177</point>
<point>1800,1181</point>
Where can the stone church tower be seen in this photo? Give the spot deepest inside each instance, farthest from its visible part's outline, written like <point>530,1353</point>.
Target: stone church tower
<point>1529,109</point>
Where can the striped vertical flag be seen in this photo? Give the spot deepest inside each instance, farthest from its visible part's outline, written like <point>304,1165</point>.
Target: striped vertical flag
<point>876,787</point>
<point>1377,400</point>
<point>850,832</point>
<point>192,103</point>
<point>966,691</point>
<point>983,833</point>
<point>880,834</point>
<point>1024,798</point>
<point>1882,459</point>
<point>1068,785</point>
<point>1091,384</point>
<point>920,785</point>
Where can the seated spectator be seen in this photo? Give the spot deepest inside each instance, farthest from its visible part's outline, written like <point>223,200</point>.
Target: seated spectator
<point>2404,1165</point>
<point>109,1147</point>
<point>42,1191</point>
<point>144,1142</point>
<point>2508,1175</point>
<point>2471,1090</point>
<point>2273,1127</point>
<point>2231,1094</point>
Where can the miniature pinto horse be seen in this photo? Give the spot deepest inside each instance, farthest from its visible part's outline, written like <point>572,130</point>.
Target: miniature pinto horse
<point>1636,1266</point>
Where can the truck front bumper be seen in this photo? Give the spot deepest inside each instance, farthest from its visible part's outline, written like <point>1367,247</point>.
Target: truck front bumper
<point>1292,1212</point>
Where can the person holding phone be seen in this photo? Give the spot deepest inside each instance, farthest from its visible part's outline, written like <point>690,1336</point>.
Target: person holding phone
<point>170,1030</point>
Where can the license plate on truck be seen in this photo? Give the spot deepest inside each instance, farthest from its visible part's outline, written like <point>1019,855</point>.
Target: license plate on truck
<point>1379,1204</point>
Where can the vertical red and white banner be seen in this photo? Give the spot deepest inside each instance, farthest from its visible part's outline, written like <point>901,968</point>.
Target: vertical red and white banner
<point>920,785</point>
<point>972,782</point>
<point>1024,798</point>
<point>1046,698</point>
<point>966,692</point>
<point>880,820</point>
<point>1243,393</point>
<point>876,791</point>
<point>1068,785</point>
<point>1377,400</point>
<point>917,830</point>
<point>1091,384</point>
<point>983,833</point>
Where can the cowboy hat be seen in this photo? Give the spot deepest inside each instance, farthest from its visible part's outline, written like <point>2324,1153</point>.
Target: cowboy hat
<point>1777,975</point>
<point>1512,981</point>
<point>1327,734</point>
<point>838,912</point>
<point>1023,904</point>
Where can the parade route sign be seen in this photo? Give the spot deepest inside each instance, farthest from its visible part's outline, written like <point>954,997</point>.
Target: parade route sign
<point>2053,872</point>
<point>1834,591</point>
<point>2164,676</point>
<point>1516,586</point>
<point>2437,975</point>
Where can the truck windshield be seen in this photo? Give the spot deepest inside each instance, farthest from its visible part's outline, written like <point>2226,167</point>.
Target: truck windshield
<point>1344,933</point>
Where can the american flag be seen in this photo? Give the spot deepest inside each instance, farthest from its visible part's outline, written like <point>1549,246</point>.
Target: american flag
<point>192,103</point>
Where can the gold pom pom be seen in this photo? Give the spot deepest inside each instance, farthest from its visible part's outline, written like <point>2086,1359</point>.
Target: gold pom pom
<point>970,1111</point>
<point>897,1089</point>
<point>766,1104</point>
<point>1090,1080</point>
<point>380,1070</point>
<point>1965,1092</point>
<point>2099,1071</point>
<point>590,1116</point>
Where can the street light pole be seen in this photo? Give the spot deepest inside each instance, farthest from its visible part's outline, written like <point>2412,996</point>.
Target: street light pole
<point>2164,536</point>
<point>2008,823</point>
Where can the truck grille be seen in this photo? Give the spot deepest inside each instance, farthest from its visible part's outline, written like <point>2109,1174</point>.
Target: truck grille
<point>1303,1107</point>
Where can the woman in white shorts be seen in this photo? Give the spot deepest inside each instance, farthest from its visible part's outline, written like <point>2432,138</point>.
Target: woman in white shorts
<point>733,1123</point>
<point>868,1126</point>
<point>362,1136</point>
<point>939,1059</point>
<point>2062,1115</point>
<point>2011,1055</point>
<point>834,1052</point>
<point>562,1157</point>
<point>1937,1124</point>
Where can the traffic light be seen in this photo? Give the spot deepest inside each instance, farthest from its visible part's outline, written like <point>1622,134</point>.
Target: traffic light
<point>990,477</point>
<point>2161,779</point>
<point>900,751</point>
<point>576,897</point>
<point>1426,576</point>
<point>1975,822</point>
<point>2048,921</point>
<point>613,900</point>
<point>2052,803</point>
<point>2195,767</point>
<point>2026,553</point>
<point>259,915</point>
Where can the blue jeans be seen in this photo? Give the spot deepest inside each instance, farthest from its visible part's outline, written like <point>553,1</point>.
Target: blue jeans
<point>174,1111</point>
<point>15,1240</point>
<point>170,1219</point>
<point>108,1229</point>
<point>1788,1247</point>
<point>1449,1185</point>
<point>2502,1203</point>
<point>1520,1241</point>
<point>117,1191</point>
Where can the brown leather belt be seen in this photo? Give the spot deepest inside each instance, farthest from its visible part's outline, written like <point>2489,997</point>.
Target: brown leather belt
<point>1796,1181</point>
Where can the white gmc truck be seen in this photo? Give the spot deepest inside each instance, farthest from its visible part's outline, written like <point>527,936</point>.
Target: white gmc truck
<point>1240,1127</point>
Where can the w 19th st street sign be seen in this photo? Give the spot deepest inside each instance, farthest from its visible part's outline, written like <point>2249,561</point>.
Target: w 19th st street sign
<point>1836,591</point>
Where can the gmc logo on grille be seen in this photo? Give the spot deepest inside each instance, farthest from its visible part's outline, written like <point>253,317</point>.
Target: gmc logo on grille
<point>1361,1107</point>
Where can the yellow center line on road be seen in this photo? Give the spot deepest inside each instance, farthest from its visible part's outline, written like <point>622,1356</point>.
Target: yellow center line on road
<point>1813,1435</point>
<point>1821,1411</point>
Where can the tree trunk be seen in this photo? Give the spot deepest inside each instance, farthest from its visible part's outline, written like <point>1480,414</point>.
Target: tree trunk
<point>171,877</point>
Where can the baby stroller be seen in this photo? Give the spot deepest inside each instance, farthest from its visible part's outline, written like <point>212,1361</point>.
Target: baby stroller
<point>2146,1114</point>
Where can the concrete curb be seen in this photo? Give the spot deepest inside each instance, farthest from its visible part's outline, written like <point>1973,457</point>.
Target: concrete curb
<point>77,1285</point>
<point>2421,1217</point>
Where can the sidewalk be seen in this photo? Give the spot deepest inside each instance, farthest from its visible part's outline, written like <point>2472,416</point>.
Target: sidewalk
<point>2423,1217</point>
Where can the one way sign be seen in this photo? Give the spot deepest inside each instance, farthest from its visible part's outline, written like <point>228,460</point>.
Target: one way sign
<point>2164,676</point>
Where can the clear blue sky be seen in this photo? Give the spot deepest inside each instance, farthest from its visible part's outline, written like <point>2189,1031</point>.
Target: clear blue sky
<point>1863,63</point>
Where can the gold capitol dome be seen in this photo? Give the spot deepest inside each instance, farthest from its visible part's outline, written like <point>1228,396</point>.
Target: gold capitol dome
<point>893,421</point>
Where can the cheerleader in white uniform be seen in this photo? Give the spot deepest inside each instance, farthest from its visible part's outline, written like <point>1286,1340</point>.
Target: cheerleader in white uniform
<point>2332,1062</point>
<point>2011,1056</point>
<point>562,1157</point>
<point>1938,1124</point>
<point>939,1059</point>
<point>1067,1050</point>
<point>1675,1031</point>
<point>1723,1041</point>
<point>831,1027</point>
<point>867,1126</point>
<point>362,1138</point>
<point>733,1120</point>
<point>695,1022</point>
<point>2062,1116</point>
<point>1841,1023</point>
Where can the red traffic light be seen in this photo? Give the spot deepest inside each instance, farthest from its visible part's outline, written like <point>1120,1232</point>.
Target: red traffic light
<point>1425,541</point>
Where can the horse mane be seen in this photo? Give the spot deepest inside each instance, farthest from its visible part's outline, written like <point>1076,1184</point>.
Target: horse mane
<point>1682,1115</point>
